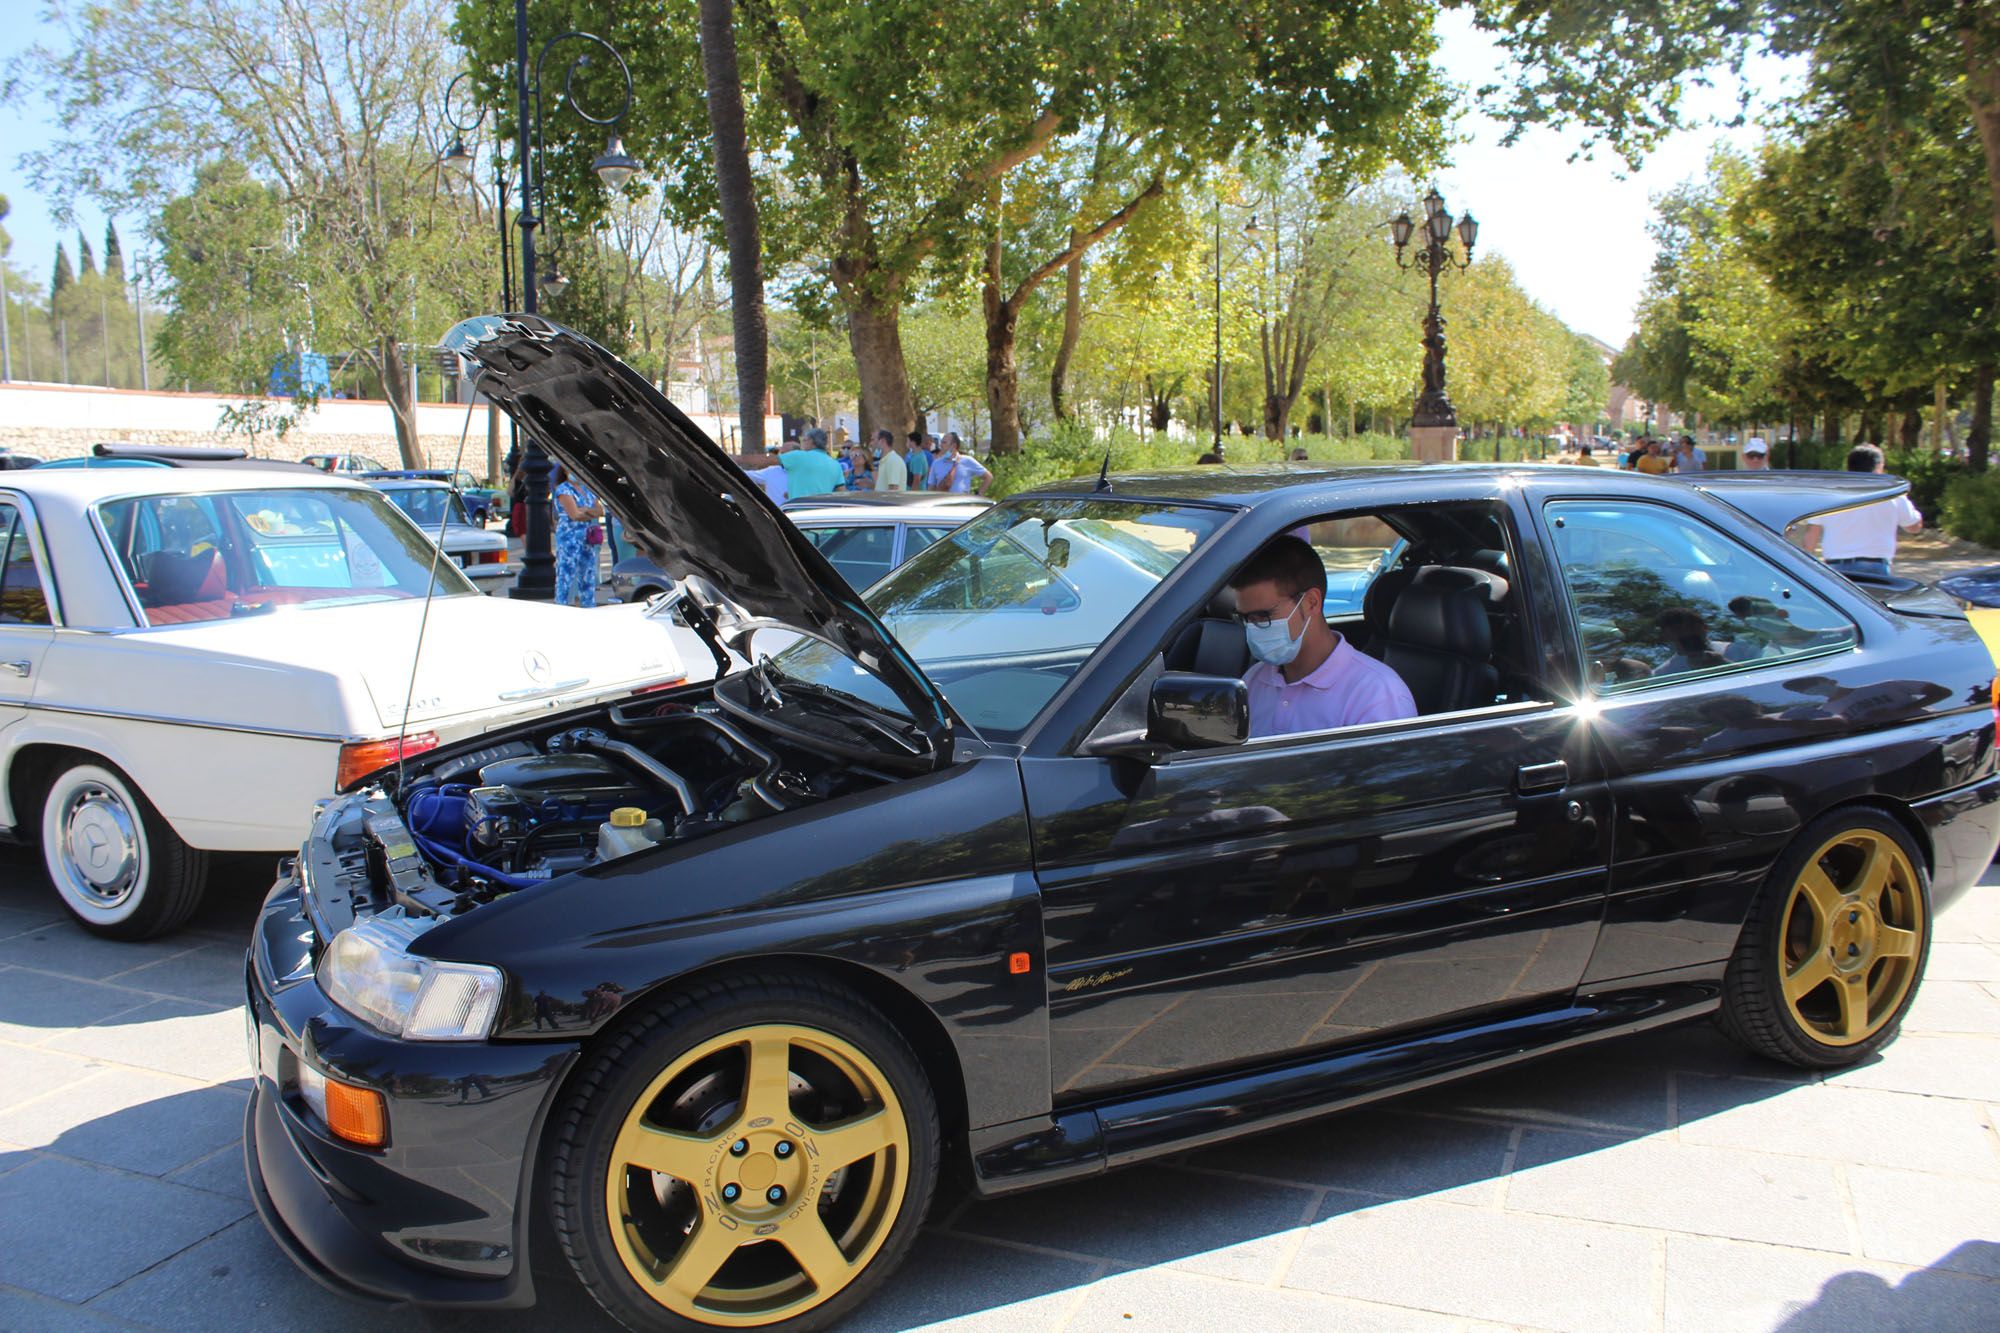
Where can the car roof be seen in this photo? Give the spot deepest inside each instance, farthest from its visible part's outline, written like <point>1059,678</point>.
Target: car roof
<point>804,512</point>
<point>86,485</point>
<point>883,499</point>
<point>406,483</point>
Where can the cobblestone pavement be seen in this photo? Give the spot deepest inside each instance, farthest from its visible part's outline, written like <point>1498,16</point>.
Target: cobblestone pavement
<point>1661,1182</point>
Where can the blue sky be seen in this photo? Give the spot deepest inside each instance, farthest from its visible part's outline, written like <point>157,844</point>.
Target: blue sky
<point>1574,231</point>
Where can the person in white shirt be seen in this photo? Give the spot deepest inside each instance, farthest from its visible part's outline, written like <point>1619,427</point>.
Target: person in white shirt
<point>765,470</point>
<point>1863,541</point>
<point>892,473</point>
<point>1756,455</point>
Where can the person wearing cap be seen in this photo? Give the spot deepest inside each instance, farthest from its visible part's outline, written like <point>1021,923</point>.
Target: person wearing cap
<point>1756,455</point>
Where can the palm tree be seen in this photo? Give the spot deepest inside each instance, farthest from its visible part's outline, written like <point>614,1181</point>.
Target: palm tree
<point>733,185</point>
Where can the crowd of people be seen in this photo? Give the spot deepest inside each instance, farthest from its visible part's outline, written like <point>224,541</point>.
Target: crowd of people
<point>822,463</point>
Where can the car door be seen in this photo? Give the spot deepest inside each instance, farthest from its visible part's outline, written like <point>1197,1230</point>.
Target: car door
<point>1730,693</point>
<point>1242,905</point>
<point>27,610</point>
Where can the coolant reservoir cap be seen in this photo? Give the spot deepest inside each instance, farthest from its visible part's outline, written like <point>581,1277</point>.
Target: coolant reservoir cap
<point>628,816</point>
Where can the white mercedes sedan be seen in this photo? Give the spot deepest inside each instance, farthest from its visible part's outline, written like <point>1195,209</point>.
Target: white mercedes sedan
<point>190,658</point>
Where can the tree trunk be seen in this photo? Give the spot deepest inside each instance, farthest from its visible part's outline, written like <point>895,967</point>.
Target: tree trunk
<point>396,388</point>
<point>1979,438</point>
<point>737,193</point>
<point>1003,379</point>
<point>1912,424</point>
<point>1832,437</point>
<point>875,333</point>
<point>1071,331</point>
<point>1982,90</point>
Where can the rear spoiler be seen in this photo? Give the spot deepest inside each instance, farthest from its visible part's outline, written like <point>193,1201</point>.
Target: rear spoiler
<point>1779,499</point>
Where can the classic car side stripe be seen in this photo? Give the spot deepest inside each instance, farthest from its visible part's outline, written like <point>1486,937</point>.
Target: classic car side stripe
<point>165,719</point>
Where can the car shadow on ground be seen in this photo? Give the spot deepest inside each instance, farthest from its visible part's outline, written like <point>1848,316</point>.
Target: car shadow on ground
<point>159,1187</point>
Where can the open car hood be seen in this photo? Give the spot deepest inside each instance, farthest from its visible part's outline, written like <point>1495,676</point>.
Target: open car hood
<point>1780,499</point>
<point>682,500</point>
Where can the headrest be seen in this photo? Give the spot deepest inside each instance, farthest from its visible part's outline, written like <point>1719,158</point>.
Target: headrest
<point>1488,587</point>
<point>1222,606</point>
<point>173,578</point>
<point>1442,616</point>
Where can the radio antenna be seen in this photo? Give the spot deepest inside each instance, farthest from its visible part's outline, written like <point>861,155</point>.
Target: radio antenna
<point>430,587</point>
<point>1104,475</point>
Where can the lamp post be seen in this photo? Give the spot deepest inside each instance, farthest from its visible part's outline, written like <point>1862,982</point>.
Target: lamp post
<point>1433,256</point>
<point>614,166</point>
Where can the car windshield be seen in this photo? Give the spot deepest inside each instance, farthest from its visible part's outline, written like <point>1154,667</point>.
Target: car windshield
<point>1003,611</point>
<point>428,504</point>
<point>235,553</point>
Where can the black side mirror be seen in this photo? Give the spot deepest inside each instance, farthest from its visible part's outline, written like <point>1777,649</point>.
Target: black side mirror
<point>1193,712</point>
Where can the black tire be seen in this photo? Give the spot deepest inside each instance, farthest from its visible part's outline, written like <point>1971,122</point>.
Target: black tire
<point>117,866</point>
<point>630,1075</point>
<point>1817,1028</point>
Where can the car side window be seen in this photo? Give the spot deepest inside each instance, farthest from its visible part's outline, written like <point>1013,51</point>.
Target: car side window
<point>22,600</point>
<point>917,538</point>
<point>1658,595</point>
<point>862,554</point>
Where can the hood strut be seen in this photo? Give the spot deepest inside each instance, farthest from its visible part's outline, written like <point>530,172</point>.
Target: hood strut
<point>683,501</point>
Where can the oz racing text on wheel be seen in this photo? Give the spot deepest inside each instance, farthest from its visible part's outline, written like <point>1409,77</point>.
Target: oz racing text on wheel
<point>752,1155</point>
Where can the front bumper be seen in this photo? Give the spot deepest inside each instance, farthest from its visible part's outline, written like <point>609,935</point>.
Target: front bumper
<point>440,1215</point>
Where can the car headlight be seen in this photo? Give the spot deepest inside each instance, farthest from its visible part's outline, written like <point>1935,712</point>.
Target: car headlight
<point>369,971</point>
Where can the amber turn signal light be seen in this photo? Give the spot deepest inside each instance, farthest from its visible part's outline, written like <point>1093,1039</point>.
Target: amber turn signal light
<point>1019,964</point>
<point>360,758</point>
<point>356,1114</point>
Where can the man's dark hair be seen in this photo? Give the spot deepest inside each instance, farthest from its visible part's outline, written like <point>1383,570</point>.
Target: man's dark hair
<point>885,435</point>
<point>916,437</point>
<point>1583,450</point>
<point>1286,561</point>
<point>1863,458</point>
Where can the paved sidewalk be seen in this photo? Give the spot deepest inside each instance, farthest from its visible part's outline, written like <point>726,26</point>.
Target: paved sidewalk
<point>1663,1182</point>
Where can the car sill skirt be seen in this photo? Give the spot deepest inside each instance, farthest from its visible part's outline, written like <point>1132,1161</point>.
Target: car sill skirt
<point>1085,1141</point>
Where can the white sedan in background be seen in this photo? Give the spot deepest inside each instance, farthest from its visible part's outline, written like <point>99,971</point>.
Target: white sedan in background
<point>189,659</point>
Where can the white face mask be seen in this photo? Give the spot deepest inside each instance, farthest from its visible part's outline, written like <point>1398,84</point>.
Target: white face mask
<point>1275,643</point>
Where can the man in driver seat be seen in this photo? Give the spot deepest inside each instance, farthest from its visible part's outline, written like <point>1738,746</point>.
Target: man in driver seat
<point>1307,677</point>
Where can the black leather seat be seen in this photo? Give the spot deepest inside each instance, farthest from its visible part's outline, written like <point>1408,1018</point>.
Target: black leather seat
<point>1439,640</point>
<point>1213,645</point>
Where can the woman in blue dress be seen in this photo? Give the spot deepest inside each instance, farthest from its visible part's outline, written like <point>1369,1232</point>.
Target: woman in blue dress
<point>577,512</point>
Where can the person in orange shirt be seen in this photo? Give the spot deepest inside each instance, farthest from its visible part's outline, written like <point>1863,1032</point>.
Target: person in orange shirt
<point>1651,461</point>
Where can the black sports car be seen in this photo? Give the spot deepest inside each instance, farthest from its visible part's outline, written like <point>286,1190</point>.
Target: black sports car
<point>989,872</point>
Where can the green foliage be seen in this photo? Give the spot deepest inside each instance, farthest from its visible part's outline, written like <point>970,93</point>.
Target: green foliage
<point>1930,476</point>
<point>1070,450</point>
<point>62,276</point>
<point>1972,508</point>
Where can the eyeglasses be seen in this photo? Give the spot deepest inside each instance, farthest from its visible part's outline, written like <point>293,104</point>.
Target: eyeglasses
<point>1260,619</point>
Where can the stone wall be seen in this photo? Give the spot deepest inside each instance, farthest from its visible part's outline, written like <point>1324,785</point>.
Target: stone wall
<point>51,421</point>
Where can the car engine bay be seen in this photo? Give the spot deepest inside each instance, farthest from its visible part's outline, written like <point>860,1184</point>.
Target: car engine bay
<point>471,826</point>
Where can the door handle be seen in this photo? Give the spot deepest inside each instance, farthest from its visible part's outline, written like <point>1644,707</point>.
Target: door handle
<point>1541,777</point>
<point>21,668</point>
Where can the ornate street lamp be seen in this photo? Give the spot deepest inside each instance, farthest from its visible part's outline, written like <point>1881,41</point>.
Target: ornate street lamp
<point>1433,256</point>
<point>614,166</point>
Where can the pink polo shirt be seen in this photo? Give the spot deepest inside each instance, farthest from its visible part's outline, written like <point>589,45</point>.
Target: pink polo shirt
<point>1348,689</point>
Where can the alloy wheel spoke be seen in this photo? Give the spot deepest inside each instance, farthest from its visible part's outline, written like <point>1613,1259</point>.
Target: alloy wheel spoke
<point>814,1248</point>
<point>1876,868</point>
<point>767,1078</point>
<point>1801,980</point>
<point>852,1140</point>
<point>683,1156</point>
<point>1894,942</point>
<point>700,1259</point>
<point>1852,997</point>
<point>1824,895</point>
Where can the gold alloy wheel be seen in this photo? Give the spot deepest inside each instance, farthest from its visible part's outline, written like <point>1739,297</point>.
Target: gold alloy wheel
<point>775,1213</point>
<point>1851,935</point>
